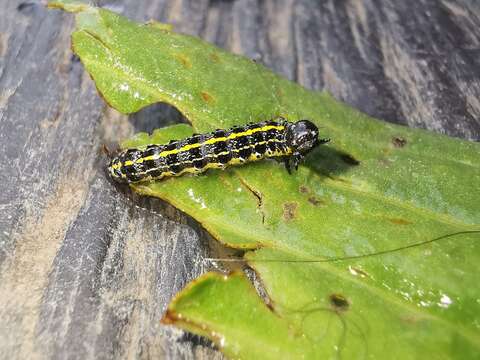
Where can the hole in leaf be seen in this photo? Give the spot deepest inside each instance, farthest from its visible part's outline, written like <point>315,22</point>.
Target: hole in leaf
<point>339,302</point>
<point>215,58</point>
<point>156,116</point>
<point>303,189</point>
<point>315,201</point>
<point>399,142</point>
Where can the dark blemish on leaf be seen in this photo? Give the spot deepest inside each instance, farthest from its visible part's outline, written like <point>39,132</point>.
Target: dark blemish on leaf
<point>303,189</point>
<point>399,142</point>
<point>207,97</point>
<point>349,159</point>
<point>74,59</point>
<point>290,210</point>
<point>184,60</point>
<point>315,201</point>
<point>339,302</point>
<point>399,221</point>
<point>214,57</point>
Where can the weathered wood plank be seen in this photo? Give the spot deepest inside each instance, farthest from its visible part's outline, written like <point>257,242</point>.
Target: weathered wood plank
<point>86,271</point>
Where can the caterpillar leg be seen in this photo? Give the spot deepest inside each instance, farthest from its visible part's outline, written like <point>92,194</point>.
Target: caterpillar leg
<point>286,161</point>
<point>296,159</point>
<point>292,162</point>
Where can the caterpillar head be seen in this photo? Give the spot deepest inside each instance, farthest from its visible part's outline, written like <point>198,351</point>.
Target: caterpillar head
<point>302,137</point>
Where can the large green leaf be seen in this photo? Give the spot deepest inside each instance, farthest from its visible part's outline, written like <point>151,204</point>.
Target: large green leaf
<point>374,188</point>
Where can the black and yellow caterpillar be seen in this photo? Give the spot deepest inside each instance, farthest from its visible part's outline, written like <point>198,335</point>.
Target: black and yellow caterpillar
<point>200,152</point>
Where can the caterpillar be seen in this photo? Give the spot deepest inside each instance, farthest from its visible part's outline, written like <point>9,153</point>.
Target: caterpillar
<point>280,139</point>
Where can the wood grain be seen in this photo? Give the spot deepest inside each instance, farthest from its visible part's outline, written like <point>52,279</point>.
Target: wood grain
<point>86,271</point>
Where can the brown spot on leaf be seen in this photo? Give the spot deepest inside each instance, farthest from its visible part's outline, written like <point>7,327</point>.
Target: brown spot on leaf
<point>303,189</point>
<point>315,201</point>
<point>207,97</point>
<point>214,57</point>
<point>184,60</point>
<point>290,210</point>
<point>399,142</point>
<point>399,221</point>
<point>339,302</point>
<point>349,159</point>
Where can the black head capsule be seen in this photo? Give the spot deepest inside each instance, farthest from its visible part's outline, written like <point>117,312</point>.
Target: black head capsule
<point>301,137</point>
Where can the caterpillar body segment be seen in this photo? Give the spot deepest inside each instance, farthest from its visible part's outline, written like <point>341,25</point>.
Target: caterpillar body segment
<point>217,150</point>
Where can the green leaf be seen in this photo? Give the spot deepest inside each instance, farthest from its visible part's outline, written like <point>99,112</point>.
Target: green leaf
<point>376,187</point>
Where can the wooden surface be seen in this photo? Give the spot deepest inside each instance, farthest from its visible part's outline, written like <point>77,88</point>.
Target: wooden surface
<point>86,271</point>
